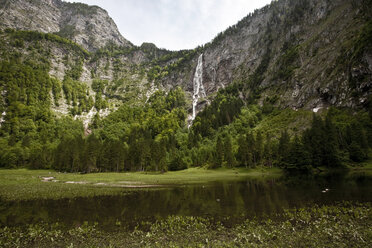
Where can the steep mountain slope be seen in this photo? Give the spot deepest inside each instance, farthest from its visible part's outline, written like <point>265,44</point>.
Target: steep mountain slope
<point>304,54</point>
<point>308,54</point>
<point>88,26</point>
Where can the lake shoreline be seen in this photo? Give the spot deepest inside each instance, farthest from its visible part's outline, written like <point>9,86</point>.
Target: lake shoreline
<point>25,184</point>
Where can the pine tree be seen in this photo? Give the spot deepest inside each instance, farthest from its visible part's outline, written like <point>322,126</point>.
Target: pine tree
<point>358,144</point>
<point>283,148</point>
<point>228,151</point>
<point>313,140</point>
<point>330,145</point>
<point>298,158</point>
<point>243,155</point>
<point>268,151</point>
<point>258,148</point>
<point>220,153</point>
<point>251,160</point>
<point>92,151</point>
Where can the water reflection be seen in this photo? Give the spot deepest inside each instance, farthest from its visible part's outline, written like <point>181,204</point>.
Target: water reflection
<point>225,201</point>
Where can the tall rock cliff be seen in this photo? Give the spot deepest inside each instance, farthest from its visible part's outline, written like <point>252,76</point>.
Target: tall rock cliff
<point>306,53</point>
<point>89,26</point>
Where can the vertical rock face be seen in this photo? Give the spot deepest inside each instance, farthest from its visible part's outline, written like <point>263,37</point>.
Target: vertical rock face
<point>89,26</point>
<point>299,50</point>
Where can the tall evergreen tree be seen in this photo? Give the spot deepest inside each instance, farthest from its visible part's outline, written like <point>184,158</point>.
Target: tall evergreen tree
<point>298,158</point>
<point>283,148</point>
<point>220,153</point>
<point>330,145</point>
<point>229,158</point>
<point>313,139</point>
<point>258,148</point>
<point>268,151</point>
<point>251,160</point>
<point>243,154</point>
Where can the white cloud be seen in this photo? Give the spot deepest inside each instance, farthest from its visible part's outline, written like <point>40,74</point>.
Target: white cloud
<point>175,24</point>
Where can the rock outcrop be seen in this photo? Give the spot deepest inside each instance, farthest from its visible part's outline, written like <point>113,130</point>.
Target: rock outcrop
<point>89,26</point>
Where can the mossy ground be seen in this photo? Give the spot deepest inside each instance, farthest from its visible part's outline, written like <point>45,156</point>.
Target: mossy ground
<point>342,225</point>
<point>24,184</point>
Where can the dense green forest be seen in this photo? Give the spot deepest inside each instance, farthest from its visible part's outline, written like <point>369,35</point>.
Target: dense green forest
<point>154,137</point>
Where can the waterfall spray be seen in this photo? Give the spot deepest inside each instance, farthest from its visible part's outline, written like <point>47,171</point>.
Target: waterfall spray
<point>198,86</point>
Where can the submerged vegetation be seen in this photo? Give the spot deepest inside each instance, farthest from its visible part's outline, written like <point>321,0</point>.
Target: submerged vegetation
<point>340,225</point>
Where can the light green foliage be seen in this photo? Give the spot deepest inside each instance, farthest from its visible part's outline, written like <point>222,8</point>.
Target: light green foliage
<point>75,70</point>
<point>99,87</point>
<point>28,121</point>
<point>295,121</point>
<point>77,95</point>
<point>132,138</point>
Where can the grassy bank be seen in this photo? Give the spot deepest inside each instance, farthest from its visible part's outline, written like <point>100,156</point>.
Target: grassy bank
<point>364,167</point>
<point>23,184</point>
<point>343,225</point>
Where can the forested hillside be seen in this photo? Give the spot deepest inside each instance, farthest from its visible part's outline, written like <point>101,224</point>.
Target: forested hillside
<point>301,102</point>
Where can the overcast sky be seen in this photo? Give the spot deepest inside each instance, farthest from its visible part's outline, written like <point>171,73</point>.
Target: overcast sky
<point>175,24</point>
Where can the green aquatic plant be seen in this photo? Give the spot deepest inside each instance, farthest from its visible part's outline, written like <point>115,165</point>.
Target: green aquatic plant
<point>344,224</point>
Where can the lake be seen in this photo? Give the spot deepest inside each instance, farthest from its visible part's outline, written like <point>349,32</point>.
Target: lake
<point>228,202</point>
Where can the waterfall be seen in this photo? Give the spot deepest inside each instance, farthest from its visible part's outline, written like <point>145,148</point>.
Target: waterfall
<point>198,86</point>
<point>2,118</point>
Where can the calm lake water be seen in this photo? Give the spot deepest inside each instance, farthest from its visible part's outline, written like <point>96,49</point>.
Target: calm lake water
<point>228,202</point>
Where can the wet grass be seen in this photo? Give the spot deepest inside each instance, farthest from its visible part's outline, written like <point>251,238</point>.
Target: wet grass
<point>364,167</point>
<point>23,184</point>
<point>340,225</point>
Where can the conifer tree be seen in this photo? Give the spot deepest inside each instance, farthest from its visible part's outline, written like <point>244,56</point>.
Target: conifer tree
<point>298,158</point>
<point>251,160</point>
<point>330,145</point>
<point>313,140</point>
<point>283,148</point>
<point>243,155</point>
<point>268,151</point>
<point>258,148</point>
<point>229,158</point>
<point>220,153</point>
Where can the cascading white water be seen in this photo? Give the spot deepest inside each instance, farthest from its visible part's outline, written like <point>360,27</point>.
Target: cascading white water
<point>2,118</point>
<point>198,86</point>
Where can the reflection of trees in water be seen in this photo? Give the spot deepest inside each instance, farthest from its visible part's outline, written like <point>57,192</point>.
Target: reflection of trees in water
<point>218,200</point>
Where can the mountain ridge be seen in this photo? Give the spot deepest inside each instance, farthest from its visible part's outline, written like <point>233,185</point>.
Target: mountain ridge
<point>273,50</point>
